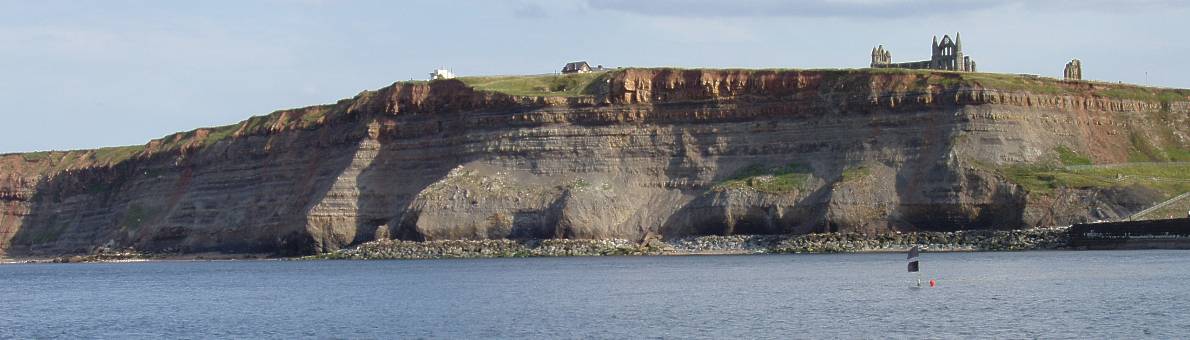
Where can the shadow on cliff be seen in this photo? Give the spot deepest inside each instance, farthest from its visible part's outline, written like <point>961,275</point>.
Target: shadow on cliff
<point>938,192</point>
<point>419,148</point>
<point>270,193</point>
<point>423,150</point>
<point>721,212</point>
<point>241,195</point>
<point>51,227</point>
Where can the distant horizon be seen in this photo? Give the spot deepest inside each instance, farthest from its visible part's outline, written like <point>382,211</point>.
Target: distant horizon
<point>95,74</point>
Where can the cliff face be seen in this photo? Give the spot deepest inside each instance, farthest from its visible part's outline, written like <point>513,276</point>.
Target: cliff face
<point>650,152</point>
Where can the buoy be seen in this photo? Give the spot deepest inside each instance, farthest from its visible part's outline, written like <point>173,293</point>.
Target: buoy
<point>931,282</point>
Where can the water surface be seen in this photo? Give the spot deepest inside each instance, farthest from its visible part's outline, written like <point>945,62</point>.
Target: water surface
<point>1065,294</point>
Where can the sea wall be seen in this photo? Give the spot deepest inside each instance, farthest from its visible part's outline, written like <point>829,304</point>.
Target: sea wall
<point>1151,234</point>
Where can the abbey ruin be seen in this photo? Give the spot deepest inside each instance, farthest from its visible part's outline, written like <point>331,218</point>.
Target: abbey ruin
<point>946,55</point>
<point>1074,70</point>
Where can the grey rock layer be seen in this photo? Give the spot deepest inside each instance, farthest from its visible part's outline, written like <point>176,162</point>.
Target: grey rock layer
<point>651,158</point>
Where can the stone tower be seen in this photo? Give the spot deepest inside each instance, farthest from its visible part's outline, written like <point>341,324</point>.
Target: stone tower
<point>1074,70</point>
<point>959,63</point>
<point>880,56</point>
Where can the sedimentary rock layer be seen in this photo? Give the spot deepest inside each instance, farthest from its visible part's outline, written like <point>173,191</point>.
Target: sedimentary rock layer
<point>650,153</point>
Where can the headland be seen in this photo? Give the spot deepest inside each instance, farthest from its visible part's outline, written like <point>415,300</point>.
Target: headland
<point>632,154</point>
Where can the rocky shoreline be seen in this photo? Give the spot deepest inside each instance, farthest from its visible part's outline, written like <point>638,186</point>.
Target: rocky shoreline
<point>131,255</point>
<point>971,240</point>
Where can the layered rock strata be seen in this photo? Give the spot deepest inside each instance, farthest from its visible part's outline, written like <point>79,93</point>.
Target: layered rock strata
<point>653,153</point>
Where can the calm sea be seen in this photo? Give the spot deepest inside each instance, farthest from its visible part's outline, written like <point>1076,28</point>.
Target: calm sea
<point>1063,294</point>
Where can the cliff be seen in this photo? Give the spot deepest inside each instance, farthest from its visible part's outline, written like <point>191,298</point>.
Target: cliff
<point>627,154</point>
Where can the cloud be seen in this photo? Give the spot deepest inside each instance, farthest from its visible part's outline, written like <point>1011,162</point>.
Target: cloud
<point>688,30</point>
<point>780,8</point>
<point>1105,6</point>
<point>105,45</point>
<point>862,8</point>
<point>529,10</point>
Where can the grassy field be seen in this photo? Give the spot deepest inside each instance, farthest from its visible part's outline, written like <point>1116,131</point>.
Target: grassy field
<point>999,81</point>
<point>117,154</point>
<point>1177,209</point>
<point>1170,178</point>
<point>1144,150</point>
<point>563,85</point>
<point>855,173</point>
<point>572,85</point>
<point>774,180</point>
<point>1069,157</point>
<point>1047,86</point>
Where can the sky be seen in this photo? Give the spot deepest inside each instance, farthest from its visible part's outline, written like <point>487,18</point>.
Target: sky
<point>87,74</point>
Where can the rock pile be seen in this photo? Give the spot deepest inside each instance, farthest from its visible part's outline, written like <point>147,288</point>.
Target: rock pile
<point>972,240</point>
<point>393,249</point>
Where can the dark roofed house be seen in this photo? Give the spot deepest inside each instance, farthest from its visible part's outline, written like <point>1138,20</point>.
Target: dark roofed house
<point>577,67</point>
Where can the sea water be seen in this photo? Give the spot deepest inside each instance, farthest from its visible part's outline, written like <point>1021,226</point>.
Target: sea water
<point>1067,294</point>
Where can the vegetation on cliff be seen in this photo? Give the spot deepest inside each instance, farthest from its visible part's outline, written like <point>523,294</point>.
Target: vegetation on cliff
<point>554,85</point>
<point>1169,178</point>
<point>773,180</point>
<point>49,162</point>
<point>891,147</point>
<point>1069,157</point>
<point>588,84</point>
<point>1031,84</point>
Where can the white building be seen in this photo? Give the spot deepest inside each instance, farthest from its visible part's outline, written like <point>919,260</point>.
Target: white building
<point>441,73</point>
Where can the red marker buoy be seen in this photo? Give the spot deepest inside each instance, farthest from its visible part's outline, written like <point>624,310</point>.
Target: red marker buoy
<point>931,282</point>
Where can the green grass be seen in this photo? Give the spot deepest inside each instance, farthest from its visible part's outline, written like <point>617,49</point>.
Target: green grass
<point>579,184</point>
<point>117,154</point>
<point>255,124</point>
<point>566,85</point>
<point>1043,85</point>
<point>881,71</point>
<point>855,173</point>
<point>1161,147</point>
<point>1169,178</point>
<point>308,117</point>
<point>1069,157</point>
<point>1148,94</point>
<point>1178,154</point>
<point>1168,170</point>
<point>844,79</point>
<point>1015,82</point>
<point>217,134</point>
<point>67,160</point>
<point>36,156</point>
<point>780,179</point>
<point>927,80</point>
<point>1176,209</point>
<point>312,116</point>
<point>1144,150</point>
<point>953,80</point>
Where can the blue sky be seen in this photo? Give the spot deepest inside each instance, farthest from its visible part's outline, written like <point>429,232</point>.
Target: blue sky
<point>87,74</point>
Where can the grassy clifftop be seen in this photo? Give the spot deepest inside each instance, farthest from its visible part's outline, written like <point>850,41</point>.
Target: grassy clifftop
<point>563,85</point>
<point>570,85</point>
<point>589,84</point>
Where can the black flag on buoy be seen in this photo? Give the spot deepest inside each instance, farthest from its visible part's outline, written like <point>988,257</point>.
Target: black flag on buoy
<point>913,259</point>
